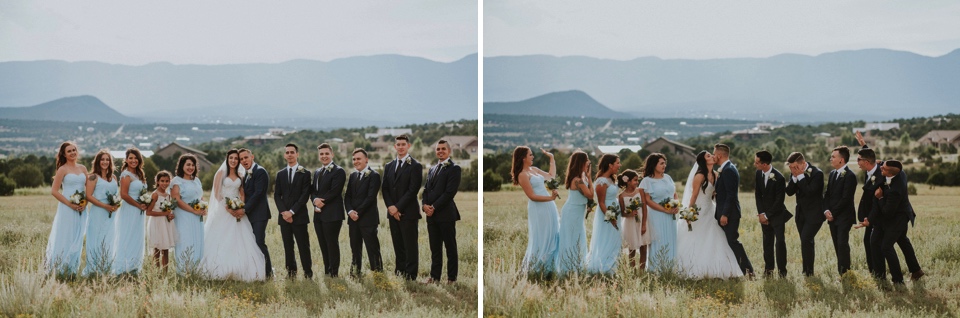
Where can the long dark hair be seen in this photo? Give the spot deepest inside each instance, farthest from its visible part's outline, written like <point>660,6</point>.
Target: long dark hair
<point>139,170</point>
<point>235,170</point>
<point>702,169</point>
<point>519,154</point>
<point>650,165</point>
<point>629,174</point>
<point>96,164</point>
<point>62,153</point>
<point>575,167</point>
<point>182,161</point>
<point>605,162</point>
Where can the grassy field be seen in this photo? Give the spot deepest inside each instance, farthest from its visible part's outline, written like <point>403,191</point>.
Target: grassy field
<point>25,221</point>
<point>631,293</point>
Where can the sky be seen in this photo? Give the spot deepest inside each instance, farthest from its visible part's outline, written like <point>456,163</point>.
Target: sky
<point>137,32</point>
<point>628,29</point>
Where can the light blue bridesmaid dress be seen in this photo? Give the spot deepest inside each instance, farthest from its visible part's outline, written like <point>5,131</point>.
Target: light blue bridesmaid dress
<point>129,239</point>
<point>572,250</point>
<point>605,245</point>
<point>100,230</point>
<point>189,249</point>
<point>65,243</point>
<point>543,225</point>
<point>662,251</point>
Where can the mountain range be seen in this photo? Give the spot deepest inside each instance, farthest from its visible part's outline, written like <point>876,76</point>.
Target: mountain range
<point>376,90</point>
<point>872,84</point>
<point>562,104</point>
<point>70,109</point>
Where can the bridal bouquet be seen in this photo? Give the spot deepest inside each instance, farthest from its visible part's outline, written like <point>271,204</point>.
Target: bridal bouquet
<point>669,204</point>
<point>114,200</point>
<point>635,207</point>
<point>690,214</point>
<point>144,198</point>
<point>613,211</point>
<point>78,198</point>
<point>552,184</point>
<point>199,205</point>
<point>168,205</point>
<point>235,204</point>
<point>590,206</point>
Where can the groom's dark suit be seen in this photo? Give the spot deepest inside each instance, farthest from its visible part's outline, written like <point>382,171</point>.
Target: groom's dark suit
<point>728,204</point>
<point>292,194</point>
<point>400,187</point>
<point>809,192</point>
<point>257,209</point>
<point>442,184</point>
<point>361,196</point>
<point>889,218</point>
<point>769,195</point>
<point>328,185</point>
<point>839,201</point>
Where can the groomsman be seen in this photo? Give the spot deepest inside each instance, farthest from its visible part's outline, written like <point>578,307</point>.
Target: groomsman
<point>806,182</point>
<point>772,212</point>
<point>443,180</point>
<point>838,205</point>
<point>891,213</point>
<point>360,201</point>
<point>402,178</point>
<point>328,213</point>
<point>290,193</point>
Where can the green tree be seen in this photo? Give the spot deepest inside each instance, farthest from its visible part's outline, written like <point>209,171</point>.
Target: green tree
<point>7,185</point>
<point>469,180</point>
<point>27,176</point>
<point>491,180</point>
<point>150,171</point>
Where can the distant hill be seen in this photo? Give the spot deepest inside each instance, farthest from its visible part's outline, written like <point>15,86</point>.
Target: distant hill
<point>872,84</point>
<point>563,104</point>
<point>71,109</point>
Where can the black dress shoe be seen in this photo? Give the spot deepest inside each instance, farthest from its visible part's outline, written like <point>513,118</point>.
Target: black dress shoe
<point>916,275</point>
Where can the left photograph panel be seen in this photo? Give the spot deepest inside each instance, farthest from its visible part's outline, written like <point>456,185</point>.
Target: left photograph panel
<point>207,159</point>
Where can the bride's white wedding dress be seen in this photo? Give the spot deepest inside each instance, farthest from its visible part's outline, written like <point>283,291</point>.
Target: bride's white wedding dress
<point>230,249</point>
<point>704,252</point>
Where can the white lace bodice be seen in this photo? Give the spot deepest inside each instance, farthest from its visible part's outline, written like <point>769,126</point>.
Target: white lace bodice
<point>706,202</point>
<point>230,188</point>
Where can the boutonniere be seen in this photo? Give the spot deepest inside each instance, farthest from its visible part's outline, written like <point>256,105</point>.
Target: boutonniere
<point>329,168</point>
<point>366,172</point>
<point>300,169</point>
<point>407,160</point>
<point>771,177</point>
<point>873,179</point>
<point>843,173</point>
<point>246,176</point>
<point>446,163</point>
<point>808,172</point>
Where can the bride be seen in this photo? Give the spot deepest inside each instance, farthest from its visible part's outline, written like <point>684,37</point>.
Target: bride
<point>231,251</point>
<point>703,252</point>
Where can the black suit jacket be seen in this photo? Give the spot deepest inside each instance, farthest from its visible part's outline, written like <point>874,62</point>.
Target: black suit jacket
<point>439,191</point>
<point>330,189</point>
<point>839,196</point>
<point>770,197</point>
<point>361,196</point>
<point>400,188</point>
<point>867,197</point>
<point>292,195</point>
<point>809,192</point>
<point>255,194</point>
<point>728,183</point>
<point>893,211</point>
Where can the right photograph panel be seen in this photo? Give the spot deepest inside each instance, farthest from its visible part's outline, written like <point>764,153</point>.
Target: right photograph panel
<point>658,158</point>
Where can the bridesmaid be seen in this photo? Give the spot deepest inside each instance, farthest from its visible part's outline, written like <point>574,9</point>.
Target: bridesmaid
<point>542,220</point>
<point>605,245</point>
<point>572,250</point>
<point>658,186</point>
<point>186,188</point>
<point>66,236</point>
<point>101,221</point>
<point>129,241</point>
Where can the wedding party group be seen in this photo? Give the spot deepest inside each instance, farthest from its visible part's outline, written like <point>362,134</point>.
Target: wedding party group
<point>114,219</point>
<point>696,235</point>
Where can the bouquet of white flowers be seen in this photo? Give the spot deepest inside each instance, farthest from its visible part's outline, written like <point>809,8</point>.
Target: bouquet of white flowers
<point>552,184</point>
<point>168,205</point>
<point>635,207</point>
<point>144,198</point>
<point>235,204</point>
<point>114,200</point>
<point>669,204</point>
<point>199,205</point>
<point>690,214</point>
<point>78,198</point>
<point>613,212</point>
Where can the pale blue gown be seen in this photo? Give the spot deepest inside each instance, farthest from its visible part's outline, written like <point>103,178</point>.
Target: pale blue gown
<point>662,226</point>
<point>100,231</point>
<point>605,245</point>
<point>65,243</point>
<point>129,239</point>
<point>189,249</point>
<point>543,225</point>
<point>572,250</point>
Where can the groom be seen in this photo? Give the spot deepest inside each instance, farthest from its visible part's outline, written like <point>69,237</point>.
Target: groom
<point>255,186</point>
<point>728,206</point>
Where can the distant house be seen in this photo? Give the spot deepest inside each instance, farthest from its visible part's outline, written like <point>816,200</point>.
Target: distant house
<point>601,150</point>
<point>468,143</point>
<point>260,139</point>
<point>877,126</point>
<point>937,138</point>
<point>173,148</point>
<point>388,132</point>
<point>673,150</point>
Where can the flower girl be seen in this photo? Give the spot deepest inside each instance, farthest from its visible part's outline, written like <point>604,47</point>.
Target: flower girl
<point>161,231</point>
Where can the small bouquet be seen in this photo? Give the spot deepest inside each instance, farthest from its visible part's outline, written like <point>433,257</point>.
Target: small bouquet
<point>690,214</point>
<point>634,206</point>
<point>590,206</point>
<point>552,184</point>
<point>78,198</point>
<point>669,204</point>
<point>199,205</point>
<point>235,204</point>
<point>613,212</point>
<point>144,198</point>
<point>113,200</point>
<point>168,205</point>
